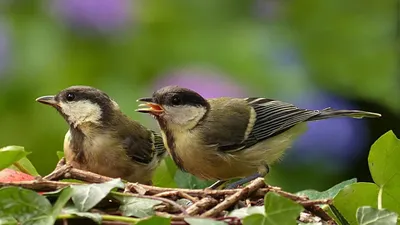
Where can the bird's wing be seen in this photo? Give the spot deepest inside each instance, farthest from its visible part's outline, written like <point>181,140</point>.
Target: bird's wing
<point>274,117</point>
<point>224,126</point>
<point>158,145</point>
<point>269,118</point>
<point>139,145</point>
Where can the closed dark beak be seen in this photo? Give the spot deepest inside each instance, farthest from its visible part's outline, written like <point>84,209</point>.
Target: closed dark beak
<point>48,100</point>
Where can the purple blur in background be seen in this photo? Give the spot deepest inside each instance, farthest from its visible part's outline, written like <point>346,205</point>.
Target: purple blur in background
<point>104,16</point>
<point>336,142</point>
<point>207,82</point>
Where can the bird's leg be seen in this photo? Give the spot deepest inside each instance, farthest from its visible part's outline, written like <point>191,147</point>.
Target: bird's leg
<point>249,178</point>
<point>217,184</point>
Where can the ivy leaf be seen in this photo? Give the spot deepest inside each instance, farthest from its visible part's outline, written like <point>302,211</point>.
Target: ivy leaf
<point>70,209</point>
<point>385,169</point>
<point>26,206</point>
<point>203,221</point>
<point>330,193</point>
<point>256,219</point>
<point>246,211</point>
<point>24,165</point>
<point>10,155</point>
<point>278,210</point>
<point>86,196</point>
<point>187,180</point>
<point>155,220</point>
<point>350,198</point>
<point>137,207</point>
<point>367,215</point>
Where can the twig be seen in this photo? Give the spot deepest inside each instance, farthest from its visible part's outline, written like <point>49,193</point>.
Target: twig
<point>316,210</point>
<point>291,196</point>
<point>177,193</point>
<point>203,204</point>
<point>41,185</point>
<point>58,173</point>
<point>87,176</point>
<point>256,190</point>
<point>229,201</point>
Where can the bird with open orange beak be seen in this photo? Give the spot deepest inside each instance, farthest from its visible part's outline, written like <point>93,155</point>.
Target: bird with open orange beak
<point>226,138</point>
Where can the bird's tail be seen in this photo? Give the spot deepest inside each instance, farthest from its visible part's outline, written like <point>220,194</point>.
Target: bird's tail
<point>332,113</point>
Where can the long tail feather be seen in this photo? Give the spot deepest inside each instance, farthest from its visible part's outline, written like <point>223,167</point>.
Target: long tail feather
<point>332,113</point>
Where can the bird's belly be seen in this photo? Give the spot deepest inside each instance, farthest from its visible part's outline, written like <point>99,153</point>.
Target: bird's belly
<point>209,164</point>
<point>107,160</point>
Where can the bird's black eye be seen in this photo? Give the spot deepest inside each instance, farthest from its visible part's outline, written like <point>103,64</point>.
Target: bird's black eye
<point>70,97</point>
<point>176,100</point>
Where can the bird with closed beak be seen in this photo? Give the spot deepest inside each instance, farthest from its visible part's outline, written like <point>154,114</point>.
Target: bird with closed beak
<point>225,138</point>
<point>103,140</point>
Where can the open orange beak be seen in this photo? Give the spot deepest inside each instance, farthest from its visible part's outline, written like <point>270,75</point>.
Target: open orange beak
<point>151,107</point>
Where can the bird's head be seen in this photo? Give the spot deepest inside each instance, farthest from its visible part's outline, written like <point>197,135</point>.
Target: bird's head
<point>81,105</point>
<point>175,106</point>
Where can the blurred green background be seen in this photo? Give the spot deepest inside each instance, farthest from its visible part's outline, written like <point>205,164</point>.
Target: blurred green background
<point>313,53</point>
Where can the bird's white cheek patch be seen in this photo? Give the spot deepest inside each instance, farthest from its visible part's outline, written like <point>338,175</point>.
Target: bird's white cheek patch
<point>81,111</point>
<point>185,116</point>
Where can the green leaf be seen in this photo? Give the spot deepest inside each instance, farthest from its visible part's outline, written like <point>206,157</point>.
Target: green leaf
<point>330,193</point>
<point>26,206</point>
<point>367,215</point>
<point>385,169</point>
<point>10,155</point>
<point>137,207</point>
<point>257,219</point>
<point>165,173</point>
<point>60,155</point>
<point>155,220</point>
<point>187,180</point>
<point>246,211</point>
<point>88,195</point>
<point>382,158</point>
<point>353,196</point>
<point>8,220</point>
<point>62,200</point>
<point>70,209</point>
<point>281,210</point>
<point>201,221</point>
<point>24,165</point>
<point>278,210</point>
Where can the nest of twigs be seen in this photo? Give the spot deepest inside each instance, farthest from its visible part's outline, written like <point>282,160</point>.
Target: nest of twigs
<point>204,203</point>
